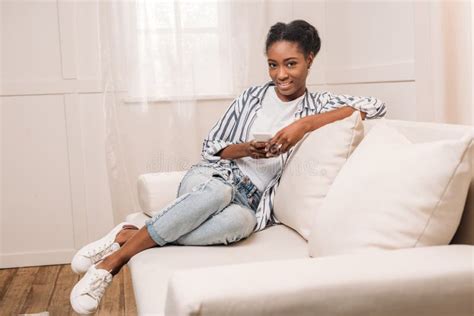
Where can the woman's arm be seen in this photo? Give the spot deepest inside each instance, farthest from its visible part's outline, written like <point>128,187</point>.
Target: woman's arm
<point>293,133</point>
<point>373,107</point>
<point>219,136</point>
<point>313,122</point>
<point>221,142</point>
<point>331,108</point>
<point>252,149</point>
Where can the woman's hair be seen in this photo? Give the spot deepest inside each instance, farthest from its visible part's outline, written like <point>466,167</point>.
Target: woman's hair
<point>298,31</point>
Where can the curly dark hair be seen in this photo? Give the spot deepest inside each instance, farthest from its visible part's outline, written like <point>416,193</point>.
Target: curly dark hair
<point>297,31</point>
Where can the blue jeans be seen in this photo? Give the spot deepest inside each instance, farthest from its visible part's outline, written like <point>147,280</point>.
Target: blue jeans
<point>209,209</point>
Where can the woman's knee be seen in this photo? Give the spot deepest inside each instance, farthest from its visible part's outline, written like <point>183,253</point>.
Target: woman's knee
<point>240,222</point>
<point>241,229</point>
<point>249,221</point>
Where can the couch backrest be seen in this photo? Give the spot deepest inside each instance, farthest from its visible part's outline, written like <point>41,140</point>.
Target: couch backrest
<point>418,132</point>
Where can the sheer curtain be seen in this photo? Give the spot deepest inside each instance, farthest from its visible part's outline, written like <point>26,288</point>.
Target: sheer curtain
<point>162,61</point>
<point>453,58</point>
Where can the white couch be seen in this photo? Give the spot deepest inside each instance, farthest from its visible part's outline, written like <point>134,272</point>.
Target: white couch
<point>270,273</point>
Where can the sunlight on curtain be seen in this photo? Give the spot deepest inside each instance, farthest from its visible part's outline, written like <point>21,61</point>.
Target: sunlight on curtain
<point>185,38</point>
<point>161,61</point>
<point>454,104</point>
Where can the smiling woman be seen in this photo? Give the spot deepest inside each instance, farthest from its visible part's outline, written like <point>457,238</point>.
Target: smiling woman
<point>288,68</point>
<point>229,194</point>
<point>291,50</point>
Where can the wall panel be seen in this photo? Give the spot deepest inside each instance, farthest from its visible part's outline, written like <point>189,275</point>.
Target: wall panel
<point>36,205</point>
<point>54,183</point>
<point>30,42</point>
<point>369,41</point>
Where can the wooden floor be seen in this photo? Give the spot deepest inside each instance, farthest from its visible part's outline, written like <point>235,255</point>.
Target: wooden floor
<point>47,288</point>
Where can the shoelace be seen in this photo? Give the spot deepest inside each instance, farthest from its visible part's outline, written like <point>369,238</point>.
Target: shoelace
<point>98,286</point>
<point>98,253</point>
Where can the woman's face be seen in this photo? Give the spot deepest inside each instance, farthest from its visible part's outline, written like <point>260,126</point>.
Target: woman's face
<point>288,69</point>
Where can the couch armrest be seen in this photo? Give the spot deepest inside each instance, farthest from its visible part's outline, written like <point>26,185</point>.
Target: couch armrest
<point>418,281</point>
<point>156,190</point>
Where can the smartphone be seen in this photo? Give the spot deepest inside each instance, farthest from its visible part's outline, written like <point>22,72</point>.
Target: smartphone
<point>262,137</point>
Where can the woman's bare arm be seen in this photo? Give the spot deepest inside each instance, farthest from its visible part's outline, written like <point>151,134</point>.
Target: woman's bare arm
<point>252,149</point>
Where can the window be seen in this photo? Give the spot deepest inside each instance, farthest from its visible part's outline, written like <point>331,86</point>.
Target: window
<point>183,49</point>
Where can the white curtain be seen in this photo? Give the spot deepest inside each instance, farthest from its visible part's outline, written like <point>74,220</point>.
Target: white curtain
<point>162,60</point>
<point>453,60</point>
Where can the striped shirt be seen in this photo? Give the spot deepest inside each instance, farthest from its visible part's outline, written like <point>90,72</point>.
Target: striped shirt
<point>234,127</point>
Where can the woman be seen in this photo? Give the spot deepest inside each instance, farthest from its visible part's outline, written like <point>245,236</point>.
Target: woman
<point>229,193</point>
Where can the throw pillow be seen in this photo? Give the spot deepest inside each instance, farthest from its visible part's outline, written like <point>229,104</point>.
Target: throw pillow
<point>312,168</point>
<point>394,194</point>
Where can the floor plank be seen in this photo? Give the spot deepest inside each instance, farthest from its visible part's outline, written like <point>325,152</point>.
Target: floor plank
<point>130,304</point>
<point>17,292</point>
<point>59,304</point>
<point>6,277</point>
<point>41,290</point>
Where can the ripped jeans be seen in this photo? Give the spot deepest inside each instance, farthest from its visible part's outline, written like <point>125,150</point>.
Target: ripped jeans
<point>209,209</point>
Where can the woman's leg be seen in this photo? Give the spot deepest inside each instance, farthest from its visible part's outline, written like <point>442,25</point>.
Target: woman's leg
<point>125,234</point>
<point>180,217</point>
<point>138,242</point>
<point>232,224</point>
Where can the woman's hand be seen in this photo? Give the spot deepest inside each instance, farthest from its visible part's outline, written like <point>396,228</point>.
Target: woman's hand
<point>256,149</point>
<point>286,138</point>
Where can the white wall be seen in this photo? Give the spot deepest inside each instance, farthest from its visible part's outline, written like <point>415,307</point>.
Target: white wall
<point>369,47</point>
<point>54,185</point>
<point>55,194</point>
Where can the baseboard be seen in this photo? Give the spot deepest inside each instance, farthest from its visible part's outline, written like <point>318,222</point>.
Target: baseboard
<point>37,258</point>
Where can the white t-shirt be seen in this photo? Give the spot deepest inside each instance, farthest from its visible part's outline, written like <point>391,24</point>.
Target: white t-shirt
<point>273,116</point>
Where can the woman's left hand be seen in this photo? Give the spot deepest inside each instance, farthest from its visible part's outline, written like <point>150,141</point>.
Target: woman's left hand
<point>286,138</point>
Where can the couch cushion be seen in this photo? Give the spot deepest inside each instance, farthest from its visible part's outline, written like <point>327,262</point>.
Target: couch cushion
<point>152,268</point>
<point>312,169</point>
<point>426,281</point>
<point>156,190</point>
<point>421,132</point>
<point>393,194</point>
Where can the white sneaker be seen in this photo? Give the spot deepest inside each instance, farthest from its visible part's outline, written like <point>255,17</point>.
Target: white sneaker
<point>87,293</point>
<point>95,251</point>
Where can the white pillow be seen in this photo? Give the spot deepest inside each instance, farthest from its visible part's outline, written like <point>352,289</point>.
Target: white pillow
<point>393,194</point>
<point>311,170</point>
